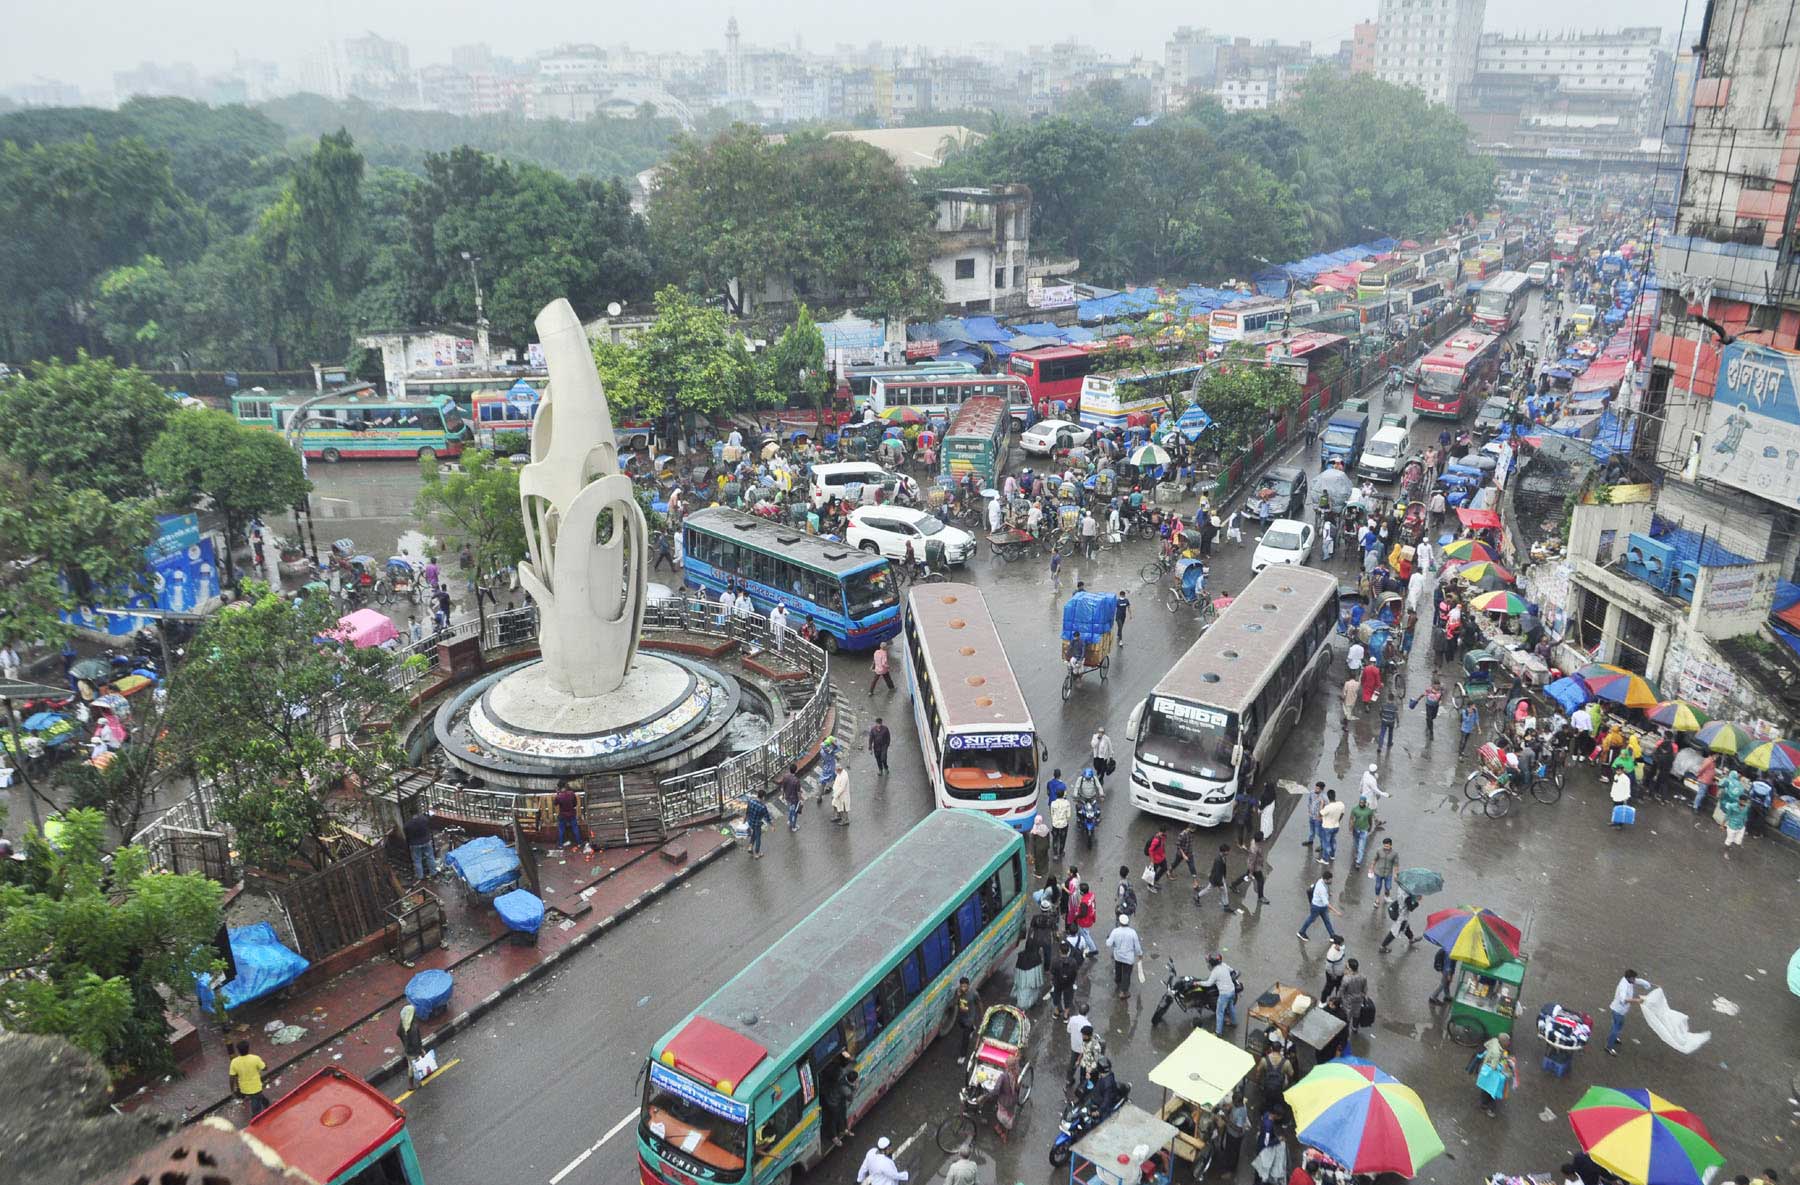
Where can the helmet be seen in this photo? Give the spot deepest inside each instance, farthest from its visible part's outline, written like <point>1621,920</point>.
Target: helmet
<point>1214,959</point>
<point>1088,772</point>
<point>1103,1065</point>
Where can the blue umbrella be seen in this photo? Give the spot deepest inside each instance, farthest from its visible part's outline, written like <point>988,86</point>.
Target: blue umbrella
<point>41,720</point>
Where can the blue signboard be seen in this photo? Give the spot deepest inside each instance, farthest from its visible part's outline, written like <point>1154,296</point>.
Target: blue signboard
<point>1752,438</point>
<point>703,1097</point>
<point>180,574</point>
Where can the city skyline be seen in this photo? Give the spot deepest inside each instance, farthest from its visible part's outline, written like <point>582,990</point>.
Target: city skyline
<point>110,37</point>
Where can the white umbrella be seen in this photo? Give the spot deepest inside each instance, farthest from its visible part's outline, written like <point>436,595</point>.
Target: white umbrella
<point>1145,455</point>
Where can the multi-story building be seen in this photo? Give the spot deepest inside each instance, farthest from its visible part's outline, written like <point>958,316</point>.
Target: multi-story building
<point>46,92</point>
<point>1569,90</point>
<point>378,70</point>
<point>1363,39</point>
<point>982,247</point>
<point>159,80</point>
<point>1429,45</point>
<point>1190,64</point>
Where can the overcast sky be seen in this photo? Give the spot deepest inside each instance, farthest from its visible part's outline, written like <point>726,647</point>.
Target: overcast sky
<point>84,41</point>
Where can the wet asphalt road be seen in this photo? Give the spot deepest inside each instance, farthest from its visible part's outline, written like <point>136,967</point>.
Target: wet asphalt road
<point>551,1076</point>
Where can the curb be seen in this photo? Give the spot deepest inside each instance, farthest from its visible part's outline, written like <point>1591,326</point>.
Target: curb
<point>486,1004</point>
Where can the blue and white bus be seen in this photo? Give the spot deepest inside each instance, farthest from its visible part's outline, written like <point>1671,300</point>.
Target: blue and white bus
<point>849,595</point>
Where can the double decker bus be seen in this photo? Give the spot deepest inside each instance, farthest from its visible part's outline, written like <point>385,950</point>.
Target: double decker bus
<point>941,395</point>
<point>1110,400</point>
<point>1501,301</point>
<point>975,732</point>
<point>1053,375</point>
<point>849,595</point>
<point>1211,725</point>
<point>1386,276</point>
<point>1570,242</point>
<point>864,982</point>
<point>1450,377</point>
<point>357,423</point>
<point>1241,318</point>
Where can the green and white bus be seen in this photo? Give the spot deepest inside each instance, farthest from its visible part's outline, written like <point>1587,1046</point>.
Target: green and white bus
<point>977,439</point>
<point>357,423</point>
<point>732,1093</point>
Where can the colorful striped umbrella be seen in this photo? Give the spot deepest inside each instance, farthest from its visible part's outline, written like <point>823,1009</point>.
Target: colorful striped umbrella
<point>1364,1118</point>
<point>1469,551</point>
<point>1485,573</point>
<point>1722,736</point>
<point>1644,1138</point>
<point>1677,714</point>
<point>1618,685</point>
<point>1478,937</point>
<point>903,415</point>
<point>1778,757</point>
<point>1499,601</point>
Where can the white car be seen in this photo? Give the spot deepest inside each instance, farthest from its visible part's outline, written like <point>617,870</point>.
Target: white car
<point>889,529</point>
<point>1046,436</point>
<point>1287,541</point>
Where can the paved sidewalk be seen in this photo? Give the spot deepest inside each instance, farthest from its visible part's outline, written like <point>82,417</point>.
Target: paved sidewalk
<point>351,1019</point>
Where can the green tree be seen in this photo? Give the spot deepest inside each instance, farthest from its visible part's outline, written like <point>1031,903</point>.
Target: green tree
<point>255,709</point>
<point>683,363</point>
<point>477,505</point>
<point>87,951</point>
<point>1244,398</point>
<point>1068,164</point>
<point>86,424</point>
<point>136,313</point>
<point>796,364</point>
<point>311,239</point>
<point>243,472</point>
<point>61,547</point>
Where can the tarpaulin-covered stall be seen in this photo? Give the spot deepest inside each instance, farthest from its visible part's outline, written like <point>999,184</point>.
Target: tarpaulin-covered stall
<point>264,966</point>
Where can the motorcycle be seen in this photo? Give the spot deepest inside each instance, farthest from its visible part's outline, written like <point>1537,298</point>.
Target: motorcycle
<point>1087,814</point>
<point>1198,1000</point>
<point>1082,1117</point>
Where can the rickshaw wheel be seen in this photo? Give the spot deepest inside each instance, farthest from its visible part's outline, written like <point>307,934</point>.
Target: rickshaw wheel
<point>1104,663</point>
<point>1025,1081</point>
<point>1465,1032</point>
<point>1546,790</point>
<point>1068,685</point>
<point>1476,784</point>
<point>956,1132</point>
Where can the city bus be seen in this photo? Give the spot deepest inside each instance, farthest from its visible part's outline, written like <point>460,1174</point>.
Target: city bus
<point>860,377</point>
<point>981,750</point>
<point>1211,726</point>
<point>1242,317</point>
<point>461,389</point>
<point>848,594</point>
<point>941,395</point>
<point>1512,250</point>
<point>865,981</point>
<point>495,412</point>
<point>359,424</point>
<point>1053,375</point>
<point>1438,258</point>
<point>338,1130</point>
<point>1309,357</point>
<point>1570,242</point>
<point>1501,301</point>
<point>1110,400</point>
<point>977,438</point>
<point>1417,296</point>
<point>1343,319</point>
<point>1451,376</point>
<point>1386,276</point>
<point>1483,264</point>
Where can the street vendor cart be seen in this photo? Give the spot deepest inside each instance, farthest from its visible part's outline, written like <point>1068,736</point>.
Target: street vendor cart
<point>1110,1154</point>
<point>1290,1013</point>
<point>1485,1000</point>
<point>1197,1079</point>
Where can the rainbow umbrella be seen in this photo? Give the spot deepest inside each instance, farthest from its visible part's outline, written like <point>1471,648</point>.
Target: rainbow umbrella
<point>1364,1118</point>
<point>1677,714</point>
<point>903,415</point>
<point>1468,934</point>
<point>1486,573</point>
<point>1722,736</point>
<point>1499,601</point>
<point>1778,757</point>
<point>1469,551</point>
<point>1643,1137</point>
<point>1618,685</point>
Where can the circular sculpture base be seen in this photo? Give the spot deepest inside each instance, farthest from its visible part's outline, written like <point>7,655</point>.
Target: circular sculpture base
<point>516,730</point>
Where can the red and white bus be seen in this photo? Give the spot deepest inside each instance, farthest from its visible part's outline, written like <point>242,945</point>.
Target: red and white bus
<point>1053,374</point>
<point>1501,301</point>
<point>1450,377</point>
<point>1241,318</point>
<point>1570,242</point>
<point>515,410</point>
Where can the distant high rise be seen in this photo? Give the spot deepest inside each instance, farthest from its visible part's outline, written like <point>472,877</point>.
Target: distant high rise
<point>1363,37</point>
<point>734,60</point>
<point>1429,45</point>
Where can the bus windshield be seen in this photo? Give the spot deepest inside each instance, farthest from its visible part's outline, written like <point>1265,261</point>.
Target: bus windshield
<point>972,769</point>
<point>679,1127</point>
<point>1189,740</point>
<point>870,591</point>
<point>1439,382</point>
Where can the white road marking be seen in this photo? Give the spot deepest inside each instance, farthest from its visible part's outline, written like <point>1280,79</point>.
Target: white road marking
<point>582,1159</point>
<point>898,1152</point>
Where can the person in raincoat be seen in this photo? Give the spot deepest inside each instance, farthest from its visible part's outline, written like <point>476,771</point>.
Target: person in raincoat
<point>412,1043</point>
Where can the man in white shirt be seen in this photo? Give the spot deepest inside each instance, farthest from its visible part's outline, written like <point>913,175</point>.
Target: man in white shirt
<point>1320,907</point>
<point>1630,990</point>
<point>1353,661</point>
<point>1371,788</point>
<point>1081,1031</point>
<point>1422,555</point>
<point>778,623</point>
<point>1331,818</point>
<point>878,1168</point>
<point>1102,748</point>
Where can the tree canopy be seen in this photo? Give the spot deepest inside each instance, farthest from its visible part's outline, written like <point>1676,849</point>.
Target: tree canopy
<point>476,504</point>
<point>85,424</point>
<point>242,471</point>
<point>689,360</point>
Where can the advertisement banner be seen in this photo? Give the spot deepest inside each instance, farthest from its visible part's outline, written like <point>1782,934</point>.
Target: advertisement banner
<point>1752,438</point>
<point>180,575</point>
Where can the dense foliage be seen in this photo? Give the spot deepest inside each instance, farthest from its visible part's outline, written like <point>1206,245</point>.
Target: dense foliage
<point>475,504</point>
<point>241,471</point>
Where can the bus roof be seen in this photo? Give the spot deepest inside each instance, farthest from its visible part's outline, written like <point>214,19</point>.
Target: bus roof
<point>1506,283</point>
<point>978,416</point>
<point>1386,267</point>
<point>813,551</point>
<point>777,1003</point>
<point>1300,344</point>
<point>1459,351</point>
<point>1054,352</point>
<point>1275,608</point>
<point>968,661</point>
<point>328,1123</point>
<point>361,396</point>
<point>1137,374</point>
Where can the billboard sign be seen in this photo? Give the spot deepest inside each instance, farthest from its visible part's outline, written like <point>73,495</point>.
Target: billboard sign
<point>180,574</point>
<point>1752,438</point>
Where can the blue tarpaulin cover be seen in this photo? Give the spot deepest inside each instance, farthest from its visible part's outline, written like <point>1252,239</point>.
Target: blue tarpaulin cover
<point>263,966</point>
<point>1089,616</point>
<point>521,910</point>
<point>1569,693</point>
<point>484,864</point>
<point>429,991</point>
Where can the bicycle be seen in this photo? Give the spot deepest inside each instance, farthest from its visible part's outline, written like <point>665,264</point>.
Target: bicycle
<point>1496,792</point>
<point>1155,569</point>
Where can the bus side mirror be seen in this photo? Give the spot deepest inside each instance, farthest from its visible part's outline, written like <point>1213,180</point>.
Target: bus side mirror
<point>1237,754</point>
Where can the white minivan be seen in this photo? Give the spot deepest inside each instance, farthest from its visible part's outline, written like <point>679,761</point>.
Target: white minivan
<point>833,478</point>
<point>1384,455</point>
<point>1538,273</point>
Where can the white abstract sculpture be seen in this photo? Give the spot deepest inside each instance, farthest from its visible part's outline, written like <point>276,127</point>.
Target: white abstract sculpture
<point>584,529</point>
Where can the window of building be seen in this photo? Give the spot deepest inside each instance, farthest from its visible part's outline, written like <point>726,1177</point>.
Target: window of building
<point>999,277</point>
<point>965,268</point>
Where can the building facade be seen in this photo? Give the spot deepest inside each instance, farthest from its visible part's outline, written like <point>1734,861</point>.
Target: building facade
<point>1429,45</point>
<point>1569,90</point>
<point>1363,41</point>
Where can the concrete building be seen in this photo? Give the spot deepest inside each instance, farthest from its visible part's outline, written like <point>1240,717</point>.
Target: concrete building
<point>1569,90</point>
<point>1363,39</point>
<point>983,245</point>
<point>1190,64</point>
<point>1429,45</point>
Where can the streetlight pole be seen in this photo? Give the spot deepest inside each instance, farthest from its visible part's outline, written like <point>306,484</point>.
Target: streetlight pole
<point>472,259</point>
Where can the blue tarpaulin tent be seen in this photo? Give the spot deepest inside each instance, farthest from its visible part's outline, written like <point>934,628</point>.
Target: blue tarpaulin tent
<point>1569,693</point>
<point>263,966</point>
<point>1089,616</point>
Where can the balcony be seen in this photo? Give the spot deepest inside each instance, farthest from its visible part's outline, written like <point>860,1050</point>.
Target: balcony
<point>1741,271</point>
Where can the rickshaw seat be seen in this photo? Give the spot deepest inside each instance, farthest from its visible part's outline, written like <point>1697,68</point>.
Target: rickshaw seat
<point>993,1054</point>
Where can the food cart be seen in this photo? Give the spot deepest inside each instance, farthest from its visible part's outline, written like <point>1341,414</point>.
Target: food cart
<point>1300,1020</point>
<point>1116,1152</point>
<point>1485,1000</point>
<point>1202,1074</point>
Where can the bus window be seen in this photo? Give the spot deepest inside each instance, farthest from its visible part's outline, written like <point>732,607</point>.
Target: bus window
<point>938,949</point>
<point>861,1024</point>
<point>991,898</point>
<point>1009,881</point>
<point>968,920</point>
<point>780,1122</point>
<point>891,994</point>
<point>912,976</point>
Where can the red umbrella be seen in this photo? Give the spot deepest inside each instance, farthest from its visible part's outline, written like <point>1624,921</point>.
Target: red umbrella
<point>1478,518</point>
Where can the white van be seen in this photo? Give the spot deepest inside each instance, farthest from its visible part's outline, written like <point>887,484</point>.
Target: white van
<point>1385,453</point>
<point>1538,273</point>
<point>830,480</point>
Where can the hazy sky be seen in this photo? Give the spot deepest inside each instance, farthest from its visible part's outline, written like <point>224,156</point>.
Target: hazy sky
<point>84,41</point>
